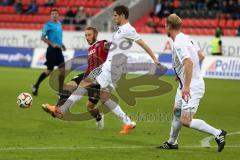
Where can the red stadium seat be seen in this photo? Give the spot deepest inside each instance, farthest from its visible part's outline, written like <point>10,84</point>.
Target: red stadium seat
<point>236,23</point>
<point>222,23</point>
<point>213,23</point>
<point>229,32</point>
<point>196,31</point>
<point>230,24</point>
<point>186,22</point>
<point>200,23</point>
<point>193,23</point>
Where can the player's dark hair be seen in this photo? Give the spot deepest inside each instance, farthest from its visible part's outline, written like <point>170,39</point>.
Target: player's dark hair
<point>122,10</point>
<point>54,10</point>
<point>93,29</point>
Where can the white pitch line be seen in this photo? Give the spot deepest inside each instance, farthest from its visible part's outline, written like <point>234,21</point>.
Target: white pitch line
<point>205,142</point>
<point>92,147</point>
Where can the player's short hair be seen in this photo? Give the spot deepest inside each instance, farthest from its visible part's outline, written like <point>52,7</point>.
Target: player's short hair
<point>174,21</point>
<point>54,10</point>
<point>93,29</point>
<point>122,10</point>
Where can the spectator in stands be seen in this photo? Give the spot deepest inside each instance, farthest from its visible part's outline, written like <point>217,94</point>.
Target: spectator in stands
<point>32,7</point>
<point>200,4</point>
<point>159,8</point>
<point>18,7</point>
<point>169,8</point>
<point>216,44</point>
<point>224,8</point>
<point>6,2</point>
<point>233,9</point>
<point>69,16</point>
<point>213,4</point>
<point>80,18</point>
<point>49,3</point>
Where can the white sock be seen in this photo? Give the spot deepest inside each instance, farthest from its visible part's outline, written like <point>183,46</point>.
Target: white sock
<point>175,129</point>
<point>117,110</point>
<point>204,127</point>
<point>75,96</point>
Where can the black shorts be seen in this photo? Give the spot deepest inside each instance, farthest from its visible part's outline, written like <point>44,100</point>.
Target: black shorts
<point>54,57</point>
<point>93,90</point>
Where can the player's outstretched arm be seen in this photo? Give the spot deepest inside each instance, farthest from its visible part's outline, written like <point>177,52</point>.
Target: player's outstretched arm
<point>141,43</point>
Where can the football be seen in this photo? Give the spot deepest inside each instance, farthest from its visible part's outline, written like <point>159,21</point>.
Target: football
<point>24,100</point>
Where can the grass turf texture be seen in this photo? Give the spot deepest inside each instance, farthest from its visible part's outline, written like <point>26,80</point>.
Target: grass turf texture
<point>32,134</point>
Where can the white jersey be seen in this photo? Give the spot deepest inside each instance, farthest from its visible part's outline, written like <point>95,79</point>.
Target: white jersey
<point>184,47</point>
<point>121,42</point>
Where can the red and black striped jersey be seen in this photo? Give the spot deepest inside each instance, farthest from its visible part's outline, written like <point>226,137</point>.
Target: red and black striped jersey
<point>97,55</point>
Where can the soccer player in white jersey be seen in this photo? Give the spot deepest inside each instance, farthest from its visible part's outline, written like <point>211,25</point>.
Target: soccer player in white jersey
<point>105,76</point>
<point>191,88</point>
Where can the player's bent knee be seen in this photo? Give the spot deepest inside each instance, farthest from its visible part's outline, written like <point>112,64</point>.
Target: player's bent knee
<point>70,86</point>
<point>185,121</point>
<point>104,95</point>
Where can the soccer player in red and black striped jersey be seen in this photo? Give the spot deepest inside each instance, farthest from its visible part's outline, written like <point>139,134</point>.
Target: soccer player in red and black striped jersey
<point>97,54</point>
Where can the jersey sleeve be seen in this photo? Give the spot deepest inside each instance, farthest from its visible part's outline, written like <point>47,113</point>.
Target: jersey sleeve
<point>45,30</point>
<point>132,35</point>
<point>182,53</point>
<point>195,45</point>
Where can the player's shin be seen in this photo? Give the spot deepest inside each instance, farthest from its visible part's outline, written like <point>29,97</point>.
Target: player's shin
<point>175,127</point>
<point>94,111</point>
<point>117,110</point>
<point>76,96</point>
<point>61,82</point>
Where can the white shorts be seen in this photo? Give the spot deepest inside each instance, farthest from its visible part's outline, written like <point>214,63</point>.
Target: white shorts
<point>109,72</point>
<point>196,93</point>
<point>107,75</point>
<point>104,79</point>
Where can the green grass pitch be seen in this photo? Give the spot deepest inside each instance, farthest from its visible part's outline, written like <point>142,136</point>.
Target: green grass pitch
<point>31,134</point>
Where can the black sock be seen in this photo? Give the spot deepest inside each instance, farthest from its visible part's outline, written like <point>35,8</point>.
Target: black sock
<point>63,97</point>
<point>61,82</point>
<point>96,114</point>
<point>40,79</point>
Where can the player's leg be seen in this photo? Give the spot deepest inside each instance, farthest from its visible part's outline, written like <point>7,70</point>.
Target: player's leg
<point>175,125</point>
<point>80,91</point>
<point>69,88</point>
<point>42,76</point>
<point>61,67</point>
<point>117,110</point>
<point>50,63</point>
<point>95,112</point>
<point>74,97</point>
<point>187,118</point>
<point>67,91</point>
<point>61,77</point>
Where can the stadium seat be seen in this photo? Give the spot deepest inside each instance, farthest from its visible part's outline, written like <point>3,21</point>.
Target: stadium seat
<point>230,24</point>
<point>213,23</point>
<point>236,24</point>
<point>229,32</point>
<point>222,23</point>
